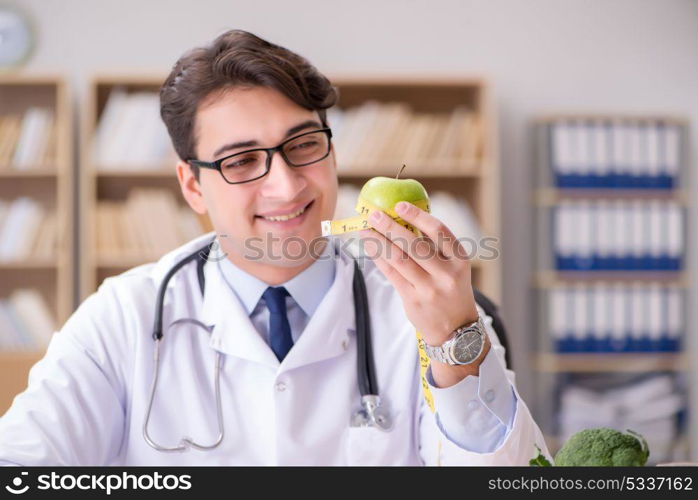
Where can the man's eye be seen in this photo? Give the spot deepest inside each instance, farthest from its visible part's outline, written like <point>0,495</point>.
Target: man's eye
<point>304,145</point>
<point>241,162</point>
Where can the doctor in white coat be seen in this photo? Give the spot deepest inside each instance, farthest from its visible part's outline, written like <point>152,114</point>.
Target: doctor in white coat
<point>276,312</point>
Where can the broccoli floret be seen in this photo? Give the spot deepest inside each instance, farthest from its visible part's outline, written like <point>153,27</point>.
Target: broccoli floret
<point>603,447</point>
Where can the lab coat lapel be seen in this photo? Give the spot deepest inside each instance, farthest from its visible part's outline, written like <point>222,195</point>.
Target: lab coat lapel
<point>233,333</point>
<point>327,333</point>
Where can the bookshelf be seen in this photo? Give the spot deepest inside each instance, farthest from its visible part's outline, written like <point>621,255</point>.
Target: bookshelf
<point>36,193</point>
<point>610,280</point>
<point>383,105</point>
<point>476,181</point>
<point>111,180</point>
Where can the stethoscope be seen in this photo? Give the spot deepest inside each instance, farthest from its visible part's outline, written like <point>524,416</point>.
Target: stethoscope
<point>371,414</point>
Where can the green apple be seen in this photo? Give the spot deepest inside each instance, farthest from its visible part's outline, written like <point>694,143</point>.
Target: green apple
<point>385,192</point>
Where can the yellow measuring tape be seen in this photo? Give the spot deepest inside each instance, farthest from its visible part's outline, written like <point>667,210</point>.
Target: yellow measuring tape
<point>423,365</point>
<point>365,208</point>
<point>340,226</point>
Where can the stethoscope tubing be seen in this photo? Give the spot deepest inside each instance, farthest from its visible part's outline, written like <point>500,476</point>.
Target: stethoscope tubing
<point>368,386</point>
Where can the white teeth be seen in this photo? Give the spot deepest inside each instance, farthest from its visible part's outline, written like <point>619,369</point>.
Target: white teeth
<point>285,217</point>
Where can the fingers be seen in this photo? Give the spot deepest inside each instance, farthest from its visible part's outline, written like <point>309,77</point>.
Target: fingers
<point>445,241</point>
<point>391,259</point>
<point>419,248</point>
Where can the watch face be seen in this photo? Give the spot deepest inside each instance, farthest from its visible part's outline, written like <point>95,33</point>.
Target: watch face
<point>467,347</point>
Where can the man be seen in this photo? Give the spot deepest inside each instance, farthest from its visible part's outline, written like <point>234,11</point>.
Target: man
<point>248,121</point>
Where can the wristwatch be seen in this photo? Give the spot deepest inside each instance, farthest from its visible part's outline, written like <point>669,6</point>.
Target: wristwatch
<point>464,347</point>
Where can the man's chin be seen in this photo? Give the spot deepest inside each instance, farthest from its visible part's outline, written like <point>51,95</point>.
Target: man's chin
<point>286,263</point>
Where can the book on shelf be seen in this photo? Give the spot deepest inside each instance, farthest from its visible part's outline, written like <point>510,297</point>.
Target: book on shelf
<point>28,141</point>
<point>417,135</point>
<point>26,322</point>
<point>148,224</point>
<point>27,231</point>
<point>130,133</point>
<point>390,134</point>
<point>46,241</point>
<point>598,235</point>
<point>361,128</point>
<point>380,130</point>
<point>9,135</point>
<point>615,153</point>
<point>616,317</point>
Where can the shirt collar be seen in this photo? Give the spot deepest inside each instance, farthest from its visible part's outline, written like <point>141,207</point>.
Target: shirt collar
<point>307,288</point>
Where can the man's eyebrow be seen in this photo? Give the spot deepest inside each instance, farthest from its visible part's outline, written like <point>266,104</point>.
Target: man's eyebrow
<point>235,145</point>
<point>250,144</point>
<point>302,126</point>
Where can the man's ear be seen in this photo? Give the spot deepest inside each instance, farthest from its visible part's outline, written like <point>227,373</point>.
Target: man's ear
<point>191,189</point>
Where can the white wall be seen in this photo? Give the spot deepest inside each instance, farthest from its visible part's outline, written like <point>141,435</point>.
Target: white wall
<point>541,55</point>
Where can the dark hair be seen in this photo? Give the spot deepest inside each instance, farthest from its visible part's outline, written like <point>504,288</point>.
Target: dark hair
<point>236,59</point>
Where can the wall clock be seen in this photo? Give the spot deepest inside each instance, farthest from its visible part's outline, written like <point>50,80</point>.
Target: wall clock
<point>16,37</point>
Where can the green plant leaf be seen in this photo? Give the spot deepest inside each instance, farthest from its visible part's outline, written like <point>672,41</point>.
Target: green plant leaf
<point>540,460</point>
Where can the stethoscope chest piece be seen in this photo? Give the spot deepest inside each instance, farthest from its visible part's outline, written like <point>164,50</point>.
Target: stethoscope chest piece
<point>372,414</point>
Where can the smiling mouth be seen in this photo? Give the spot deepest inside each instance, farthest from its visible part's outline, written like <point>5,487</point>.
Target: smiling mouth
<point>282,218</point>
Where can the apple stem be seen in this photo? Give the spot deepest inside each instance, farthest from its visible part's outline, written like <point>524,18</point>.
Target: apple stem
<point>398,174</point>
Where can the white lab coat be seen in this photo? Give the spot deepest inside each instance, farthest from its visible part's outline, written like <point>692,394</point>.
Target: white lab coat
<point>86,400</point>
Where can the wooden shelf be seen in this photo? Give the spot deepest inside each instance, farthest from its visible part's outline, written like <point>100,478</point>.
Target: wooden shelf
<point>674,120</point>
<point>27,356</point>
<point>43,173</point>
<point>477,181</point>
<point>101,183</point>
<point>168,173</point>
<point>551,279</point>
<point>124,262</point>
<point>41,265</point>
<point>610,362</point>
<point>431,171</point>
<point>409,80</point>
<point>51,185</point>
<point>550,196</point>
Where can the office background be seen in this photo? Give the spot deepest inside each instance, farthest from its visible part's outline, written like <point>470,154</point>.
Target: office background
<point>540,57</point>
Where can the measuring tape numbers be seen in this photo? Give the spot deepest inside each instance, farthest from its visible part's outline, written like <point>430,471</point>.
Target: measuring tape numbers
<point>358,222</point>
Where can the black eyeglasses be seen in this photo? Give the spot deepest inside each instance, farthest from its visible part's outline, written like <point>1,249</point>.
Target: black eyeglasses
<point>246,166</point>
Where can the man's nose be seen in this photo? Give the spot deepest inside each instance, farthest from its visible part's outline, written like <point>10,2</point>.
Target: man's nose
<point>283,181</point>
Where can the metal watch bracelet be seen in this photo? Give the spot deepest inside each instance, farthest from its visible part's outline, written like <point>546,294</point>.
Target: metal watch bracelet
<point>442,353</point>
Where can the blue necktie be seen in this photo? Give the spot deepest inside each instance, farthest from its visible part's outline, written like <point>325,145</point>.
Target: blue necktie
<point>280,338</point>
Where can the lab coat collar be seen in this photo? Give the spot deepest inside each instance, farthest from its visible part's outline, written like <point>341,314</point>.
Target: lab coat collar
<point>325,336</point>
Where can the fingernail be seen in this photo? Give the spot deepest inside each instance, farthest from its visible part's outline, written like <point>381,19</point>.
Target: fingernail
<point>401,207</point>
<point>376,216</point>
